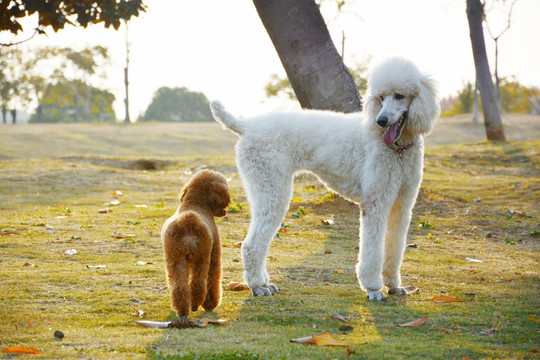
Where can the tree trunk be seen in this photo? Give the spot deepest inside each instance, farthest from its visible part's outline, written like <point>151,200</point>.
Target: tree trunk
<point>317,74</point>
<point>492,118</point>
<point>13,116</point>
<point>475,103</point>
<point>4,113</point>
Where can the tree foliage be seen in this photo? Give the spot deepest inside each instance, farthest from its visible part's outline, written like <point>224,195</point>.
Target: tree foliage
<point>514,98</point>
<point>178,104</point>
<point>60,104</point>
<point>57,14</point>
<point>25,78</point>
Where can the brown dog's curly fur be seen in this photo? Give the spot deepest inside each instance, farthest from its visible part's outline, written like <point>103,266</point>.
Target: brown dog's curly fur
<point>191,243</point>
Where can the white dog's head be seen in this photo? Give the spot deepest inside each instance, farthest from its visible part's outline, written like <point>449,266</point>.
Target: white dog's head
<point>401,100</point>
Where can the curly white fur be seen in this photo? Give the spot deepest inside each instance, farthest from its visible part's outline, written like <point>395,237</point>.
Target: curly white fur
<point>374,158</point>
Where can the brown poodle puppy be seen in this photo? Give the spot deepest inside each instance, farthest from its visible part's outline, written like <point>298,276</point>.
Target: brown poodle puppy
<point>191,244</point>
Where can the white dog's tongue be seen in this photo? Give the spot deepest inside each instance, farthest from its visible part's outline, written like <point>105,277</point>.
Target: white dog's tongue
<point>389,136</point>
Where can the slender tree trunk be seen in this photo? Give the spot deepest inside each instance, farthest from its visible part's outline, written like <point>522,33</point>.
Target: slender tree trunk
<point>317,74</point>
<point>492,117</point>
<point>127,120</point>
<point>4,113</point>
<point>13,116</point>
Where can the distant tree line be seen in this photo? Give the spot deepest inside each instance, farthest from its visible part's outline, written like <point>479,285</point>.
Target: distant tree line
<point>59,83</point>
<point>514,98</point>
<point>177,104</point>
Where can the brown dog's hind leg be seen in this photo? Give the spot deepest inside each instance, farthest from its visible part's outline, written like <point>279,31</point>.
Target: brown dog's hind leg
<point>213,296</point>
<point>177,274</point>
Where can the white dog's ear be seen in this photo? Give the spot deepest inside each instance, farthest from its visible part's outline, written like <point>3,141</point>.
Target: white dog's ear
<point>424,108</point>
<point>372,107</point>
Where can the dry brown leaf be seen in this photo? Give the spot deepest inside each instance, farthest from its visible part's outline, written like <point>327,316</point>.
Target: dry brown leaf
<point>340,271</point>
<point>445,299</point>
<point>139,313</point>
<point>218,322</point>
<point>327,221</point>
<point>123,236</point>
<point>21,350</point>
<point>415,323</point>
<point>96,266</point>
<point>154,324</point>
<point>104,211</point>
<point>308,340</point>
<point>144,263</point>
<point>237,286</point>
<point>338,317</point>
<point>30,264</point>
<point>324,339</point>
<point>411,289</point>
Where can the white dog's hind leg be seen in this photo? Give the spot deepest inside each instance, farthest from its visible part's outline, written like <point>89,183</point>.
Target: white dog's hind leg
<point>269,202</point>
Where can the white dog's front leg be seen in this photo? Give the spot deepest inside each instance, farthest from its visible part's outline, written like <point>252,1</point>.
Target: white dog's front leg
<point>372,229</point>
<point>395,242</point>
<point>254,259</point>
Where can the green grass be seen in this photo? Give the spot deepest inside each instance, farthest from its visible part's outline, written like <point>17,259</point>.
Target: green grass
<point>51,197</point>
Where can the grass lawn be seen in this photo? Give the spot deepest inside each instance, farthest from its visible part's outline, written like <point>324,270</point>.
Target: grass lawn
<point>478,201</point>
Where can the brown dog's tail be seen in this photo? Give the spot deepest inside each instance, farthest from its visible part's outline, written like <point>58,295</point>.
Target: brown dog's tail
<point>226,119</point>
<point>192,231</point>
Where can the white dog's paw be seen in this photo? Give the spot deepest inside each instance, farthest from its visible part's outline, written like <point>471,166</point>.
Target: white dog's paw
<point>398,291</point>
<point>265,290</point>
<point>376,295</point>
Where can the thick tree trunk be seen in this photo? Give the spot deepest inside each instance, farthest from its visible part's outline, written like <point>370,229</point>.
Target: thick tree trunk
<point>316,71</point>
<point>492,118</point>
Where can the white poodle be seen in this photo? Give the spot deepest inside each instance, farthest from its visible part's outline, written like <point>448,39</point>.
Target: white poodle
<point>374,158</point>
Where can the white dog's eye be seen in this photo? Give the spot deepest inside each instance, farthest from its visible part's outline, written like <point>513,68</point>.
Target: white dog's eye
<point>398,96</point>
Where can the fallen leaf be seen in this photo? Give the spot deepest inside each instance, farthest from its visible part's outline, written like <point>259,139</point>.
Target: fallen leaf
<point>414,246</point>
<point>140,313</point>
<point>96,266</point>
<point>104,211</point>
<point>327,252</point>
<point>137,301</point>
<point>30,264</point>
<point>70,252</point>
<point>144,263</point>
<point>237,286</point>
<point>304,340</point>
<point>141,206</point>
<point>345,328</point>
<point>473,260</point>
<point>219,322</point>
<point>21,350</point>
<point>411,289</point>
<point>338,317</point>
<point>445,299</point>
<point>327,222</point>
<point>340,271</point>
<point>112,203</point>
<point>10,232</point>
<point>415,323</point>
<point>154,324</point>
<point>117,193</point>
<point>324,339</point>
<point>122,236</point>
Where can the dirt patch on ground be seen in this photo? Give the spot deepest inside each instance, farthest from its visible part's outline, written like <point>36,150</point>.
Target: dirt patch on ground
<point>131,164</point>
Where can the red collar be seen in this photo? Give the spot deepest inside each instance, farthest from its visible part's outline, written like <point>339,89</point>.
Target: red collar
<point>401,149</point>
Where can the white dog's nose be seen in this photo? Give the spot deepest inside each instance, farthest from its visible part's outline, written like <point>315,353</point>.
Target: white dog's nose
<point>382,120</point>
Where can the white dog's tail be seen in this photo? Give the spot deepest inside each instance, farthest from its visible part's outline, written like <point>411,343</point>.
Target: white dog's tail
<point>226,119</point>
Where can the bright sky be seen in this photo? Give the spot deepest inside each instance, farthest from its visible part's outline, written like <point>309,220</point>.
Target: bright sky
<point>220,47</point>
